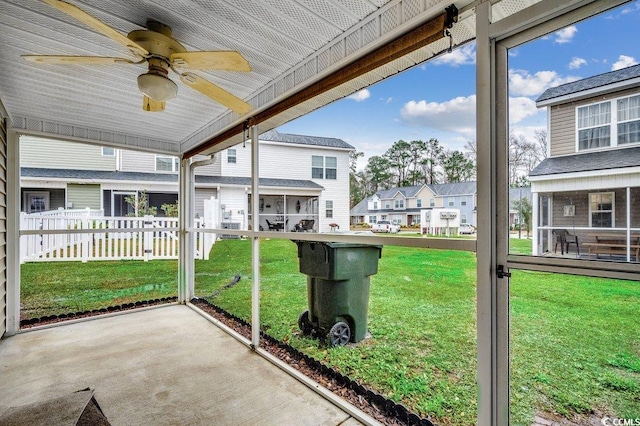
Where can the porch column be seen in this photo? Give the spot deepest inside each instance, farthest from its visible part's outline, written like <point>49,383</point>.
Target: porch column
<point>186,260</point>
<point>493,214</point>
<point>255,241</point>
<point>628,224</point>
<point>13,233</point>
<point>536,218</point>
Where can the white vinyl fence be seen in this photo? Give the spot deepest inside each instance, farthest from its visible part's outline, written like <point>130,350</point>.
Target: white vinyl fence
<point>84,236</point>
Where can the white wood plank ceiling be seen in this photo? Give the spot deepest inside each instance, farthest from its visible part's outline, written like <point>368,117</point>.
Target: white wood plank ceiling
<point>289,44</point>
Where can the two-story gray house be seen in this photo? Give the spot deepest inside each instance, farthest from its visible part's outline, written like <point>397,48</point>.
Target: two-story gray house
<point>403,204</point>
<point>311,181</point>
<point>590,183</point>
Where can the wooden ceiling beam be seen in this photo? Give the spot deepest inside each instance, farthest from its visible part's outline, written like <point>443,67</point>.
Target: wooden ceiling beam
<point>411,41</point>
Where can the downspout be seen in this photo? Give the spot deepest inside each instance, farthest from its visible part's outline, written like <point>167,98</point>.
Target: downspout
<point>188,210</point>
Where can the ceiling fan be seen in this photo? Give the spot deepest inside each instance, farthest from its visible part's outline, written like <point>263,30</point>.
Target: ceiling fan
<point>156,46</point>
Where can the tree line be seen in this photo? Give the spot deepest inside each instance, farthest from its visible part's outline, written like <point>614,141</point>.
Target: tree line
<point>427,162</point>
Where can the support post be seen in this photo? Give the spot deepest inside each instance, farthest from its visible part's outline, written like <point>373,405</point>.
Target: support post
<point>255,241</point>
<point>493,211</point>
<point>13,233</point>
<point>185,238</point>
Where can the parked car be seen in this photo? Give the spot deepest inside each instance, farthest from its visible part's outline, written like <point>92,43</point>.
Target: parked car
<point>465,228</point>
<point>385,226</point>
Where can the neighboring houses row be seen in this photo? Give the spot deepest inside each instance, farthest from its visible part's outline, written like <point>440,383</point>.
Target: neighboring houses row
<point>403,204</point>
<point>590,183</point>
<point>310,181</point>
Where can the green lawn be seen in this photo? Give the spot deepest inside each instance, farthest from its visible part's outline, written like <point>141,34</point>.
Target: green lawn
<point>574,340</point>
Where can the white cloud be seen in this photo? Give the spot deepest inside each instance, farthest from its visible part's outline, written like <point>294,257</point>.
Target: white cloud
<point>576,63</point>
<point>387,100</point>
<point>465,55</point>
<point>360,95</point>
<point>623,62</point>
<point>521,83</point>
<point>458,115</point>
<point>521,108</point>
<point>565,35</point>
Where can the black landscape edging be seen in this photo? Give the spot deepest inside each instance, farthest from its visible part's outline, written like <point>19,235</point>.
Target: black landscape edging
<point>110,309</point>
<point>384,404</point>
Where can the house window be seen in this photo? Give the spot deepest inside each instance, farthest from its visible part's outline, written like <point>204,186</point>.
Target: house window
<point>419,202</point>
<point>463,218</point>
<point>432,202</point>
<point>375,205</point>
<point>329,208</point>
<point>387,205</point>
<point>166,164</point>
<point>330,168</point>
<point>594,130</point>
<point>324,167</point>
<point>231,155</point>
<point>629,120</point>
<point>399,204</point>
<point>108,152</point>
<point>372,219</point>
<point>463,201</point>
<point>601,210</point>
<point>452,203</point>
<point>607,124</point>
<point>317,167</point>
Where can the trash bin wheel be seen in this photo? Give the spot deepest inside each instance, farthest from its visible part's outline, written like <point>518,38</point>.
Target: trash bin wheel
<point>340,334</point>
<point>305,323</point>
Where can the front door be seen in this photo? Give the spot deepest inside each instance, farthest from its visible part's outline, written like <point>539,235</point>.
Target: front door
<point>37,202</point>
<point>119,206</point>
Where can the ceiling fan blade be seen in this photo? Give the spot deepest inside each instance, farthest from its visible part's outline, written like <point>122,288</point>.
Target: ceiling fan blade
<point>97,25</point>
<point>217,60</point>
<point>62,60</point>
<point>216,93</point>
<point>149,104</point>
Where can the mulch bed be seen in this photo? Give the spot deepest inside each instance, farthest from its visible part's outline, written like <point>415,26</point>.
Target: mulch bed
<point>375,405</point>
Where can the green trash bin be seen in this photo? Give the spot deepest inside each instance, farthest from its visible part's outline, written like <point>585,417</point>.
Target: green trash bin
<point>337,289</point>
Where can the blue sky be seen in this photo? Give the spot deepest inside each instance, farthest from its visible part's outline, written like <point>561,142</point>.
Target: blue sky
<point>437,99</point>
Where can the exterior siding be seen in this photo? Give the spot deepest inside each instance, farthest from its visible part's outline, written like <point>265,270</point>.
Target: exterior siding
<point>68,155</point>
<point>134,161</point>
<point>563,122</point>
<point>563,125</point>
<point>3,226</point>
<point>83,196</point>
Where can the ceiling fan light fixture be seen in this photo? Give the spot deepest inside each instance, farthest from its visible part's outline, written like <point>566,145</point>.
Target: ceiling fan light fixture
<point>157,87</point>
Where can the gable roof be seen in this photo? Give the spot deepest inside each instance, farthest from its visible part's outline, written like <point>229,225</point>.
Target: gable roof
<point>275,136</point>
<point>618,77</point>
<point>590,161</point>
<point>407,191</point>
<point>101,175</point>
<point>452,189</point>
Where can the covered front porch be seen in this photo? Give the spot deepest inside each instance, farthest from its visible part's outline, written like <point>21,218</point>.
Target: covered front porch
<point>592,221</point>
<point>289,212</point>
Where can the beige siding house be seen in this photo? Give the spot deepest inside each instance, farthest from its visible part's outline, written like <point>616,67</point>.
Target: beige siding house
<point>310,182</point>
<point>403,204</point>
<point>589,187</point>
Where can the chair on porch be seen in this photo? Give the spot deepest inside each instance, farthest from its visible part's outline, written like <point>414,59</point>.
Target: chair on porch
<point>304,225</point>
<point>564,238</point>
<point>272,226</point>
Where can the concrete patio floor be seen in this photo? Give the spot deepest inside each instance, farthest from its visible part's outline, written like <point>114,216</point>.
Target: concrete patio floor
<point>162,366</point>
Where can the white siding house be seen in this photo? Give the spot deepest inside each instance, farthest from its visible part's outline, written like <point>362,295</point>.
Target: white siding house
<point>310,181</point>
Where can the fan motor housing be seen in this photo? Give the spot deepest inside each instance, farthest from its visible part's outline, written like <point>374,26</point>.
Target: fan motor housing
<point>157,39</point>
